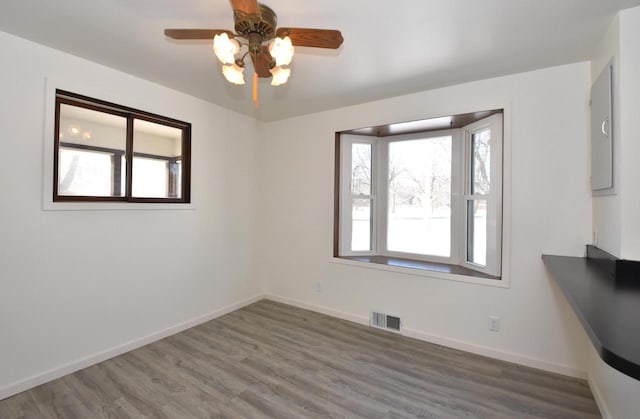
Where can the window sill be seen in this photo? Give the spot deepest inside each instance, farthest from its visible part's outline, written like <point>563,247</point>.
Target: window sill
<point>107,206</point>
<point>422,268</point>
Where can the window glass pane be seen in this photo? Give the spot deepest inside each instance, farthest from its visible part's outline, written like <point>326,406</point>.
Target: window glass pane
<point>150,178</point>
<point>419,209</point>
<point>84,173</point>
<point>156,150</point>
<point>480,162</point>
<point>361,216</point>
<point>178,177</point>
<point>92,144</point>
<point>361,169</point>
<point>477,231</point>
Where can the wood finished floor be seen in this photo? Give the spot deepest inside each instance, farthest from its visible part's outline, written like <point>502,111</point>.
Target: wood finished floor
<point>273,360</point>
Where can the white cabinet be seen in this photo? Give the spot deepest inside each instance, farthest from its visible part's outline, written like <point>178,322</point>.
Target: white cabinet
<point>602,133</point>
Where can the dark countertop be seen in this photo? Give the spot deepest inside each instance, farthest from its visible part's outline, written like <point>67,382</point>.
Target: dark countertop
<point>609,310</point>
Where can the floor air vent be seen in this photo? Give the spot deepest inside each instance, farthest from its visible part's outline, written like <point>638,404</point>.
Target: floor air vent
<point>385,321</point>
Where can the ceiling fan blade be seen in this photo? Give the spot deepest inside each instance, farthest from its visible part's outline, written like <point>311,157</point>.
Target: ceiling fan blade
<point>248,7</point>
<point>195,33</point>
<point>262,63</point>
<point>316,38</point>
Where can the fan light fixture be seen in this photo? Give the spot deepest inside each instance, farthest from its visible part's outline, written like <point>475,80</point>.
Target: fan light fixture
<point>233,73</point>
<point>280,75</point>
<point>226,49</point>
<point>256,36</point>
<point>281,50</point>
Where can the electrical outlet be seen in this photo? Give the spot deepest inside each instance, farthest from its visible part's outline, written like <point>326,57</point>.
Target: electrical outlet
<point>318,286</point>
<point>494,323</point>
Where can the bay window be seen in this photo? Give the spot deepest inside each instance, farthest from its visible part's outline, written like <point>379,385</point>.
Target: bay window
<point>432,196</point>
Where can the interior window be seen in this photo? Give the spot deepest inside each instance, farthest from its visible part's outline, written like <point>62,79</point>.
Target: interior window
<point>107,152</point>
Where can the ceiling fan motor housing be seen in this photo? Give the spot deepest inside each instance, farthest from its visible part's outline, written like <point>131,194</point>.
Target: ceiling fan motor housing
<point>263,24</point>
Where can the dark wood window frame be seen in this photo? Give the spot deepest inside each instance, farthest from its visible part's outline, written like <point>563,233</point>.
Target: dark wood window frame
<point>130,114</point>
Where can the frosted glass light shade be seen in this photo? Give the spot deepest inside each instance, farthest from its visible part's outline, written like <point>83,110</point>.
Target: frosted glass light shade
<point>280,75</point>
<point>225,48</point>
<point>233,73</point>
<point>281,50</point>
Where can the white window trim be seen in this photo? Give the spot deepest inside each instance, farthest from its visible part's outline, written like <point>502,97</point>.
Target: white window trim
<point>503,283</point>
<point>460,170</point>
<point>345,190</point>
<point>456,149</point>
<point>494,200</point>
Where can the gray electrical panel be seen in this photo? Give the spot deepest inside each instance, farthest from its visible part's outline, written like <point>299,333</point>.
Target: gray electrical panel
<point>602,132</point>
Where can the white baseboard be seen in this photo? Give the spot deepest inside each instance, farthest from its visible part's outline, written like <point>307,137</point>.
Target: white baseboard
<point>87,361</point>
<point>444,341</point>
<point>597,395</point>
<point>320,309</point>
<point>501,355</point>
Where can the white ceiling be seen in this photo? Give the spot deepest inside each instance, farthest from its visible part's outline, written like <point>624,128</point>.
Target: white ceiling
<point>390,48</point>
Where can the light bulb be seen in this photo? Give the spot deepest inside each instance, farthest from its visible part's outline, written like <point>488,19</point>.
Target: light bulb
<point>225,48</point>
<point>233,73</point>
<point>280,75</point>
<point>281,50</point>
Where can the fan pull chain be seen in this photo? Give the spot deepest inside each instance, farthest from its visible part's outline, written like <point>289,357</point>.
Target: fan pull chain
<point>255,90</point>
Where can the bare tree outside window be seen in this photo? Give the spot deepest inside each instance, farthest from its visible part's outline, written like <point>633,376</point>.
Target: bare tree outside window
<point>480,182</point>
<point>419,208</point>
<point>361,169</point>
<point>362,206</point>
<point>481,162</point>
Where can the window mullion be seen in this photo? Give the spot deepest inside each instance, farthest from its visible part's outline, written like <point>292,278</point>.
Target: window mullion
<point>382,184</point>
<point>346,198</point>
<point>457,196</point>
<point>185,164</point>
<point>56,151</point>
<point>129,159</point>
<point>494,200</point>
<point>467,170</point>
<point>374,198</point>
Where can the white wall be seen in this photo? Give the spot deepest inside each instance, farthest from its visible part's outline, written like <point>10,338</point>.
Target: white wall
<point>615,217</point>
<point>607,208</point>
<point>617,394</point>
<point>550,207</point>
<point>75,286</point>
<point>629,94</point>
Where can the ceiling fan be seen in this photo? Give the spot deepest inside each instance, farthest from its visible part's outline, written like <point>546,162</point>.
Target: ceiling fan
<point>270,48</point>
